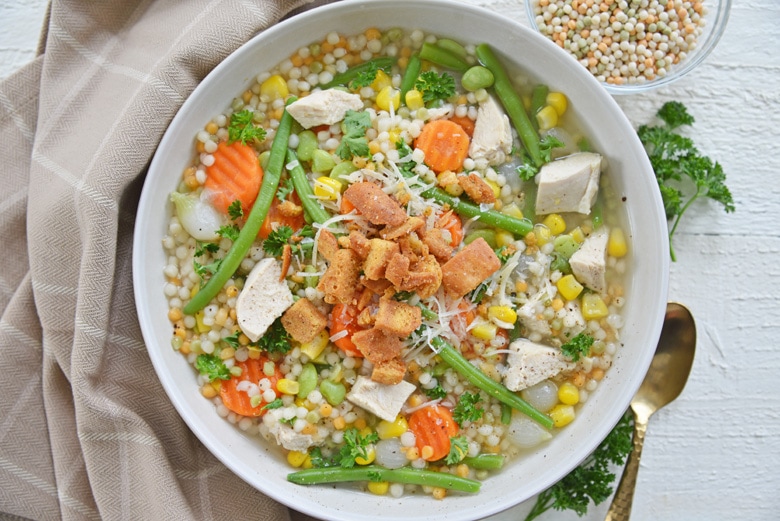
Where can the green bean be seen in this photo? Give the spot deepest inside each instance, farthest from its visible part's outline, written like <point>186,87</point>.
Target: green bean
<point>489,217</point>
<point>512,102</point>
<point>452,46</point>
<point>232,260</point>
<point>407,475</point>
<point>477,77</point>
<point>443,57</point>
<point>485,461</point>
<point>304,190</point>
<point>538,100</point>
<point>350,74</point>
<point>413,68</point>
<point>487,384</point>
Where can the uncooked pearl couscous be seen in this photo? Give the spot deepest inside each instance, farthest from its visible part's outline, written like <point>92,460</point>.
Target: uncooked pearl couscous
<point>373,270</point>
<point>623,42</point>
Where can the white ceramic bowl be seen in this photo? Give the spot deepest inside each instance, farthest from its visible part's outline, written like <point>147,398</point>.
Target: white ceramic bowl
<point>609,132</point>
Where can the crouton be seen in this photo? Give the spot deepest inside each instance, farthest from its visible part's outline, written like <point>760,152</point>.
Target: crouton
<point>397,269</point>
<point>437,245</point>
<point>340,281</point>
<point>304,321</point>
<point>376,345</point>
<point>425,277</point>
<point>359,244</point>
<point>397,318</point>
<point>327,245</point>
<point>378,287</point>
<point>290,209</point>
<point>477,189</point>
<point>390,372</point>
<point>469,267</point>
<point>380,252</point>
<point>375,205</point>
<point>412,224</point>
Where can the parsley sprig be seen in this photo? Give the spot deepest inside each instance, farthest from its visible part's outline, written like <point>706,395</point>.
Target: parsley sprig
<point>354,141</point>
<point>242,128</point>
<point>466,409</point>
<point>683,174</point>
<point>592,480</point>
<point>212,366</point>
<point>435,86</point>
<point>577,346</point>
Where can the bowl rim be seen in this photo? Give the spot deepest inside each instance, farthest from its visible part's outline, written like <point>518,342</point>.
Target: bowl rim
<point>313,502</point>
<point>713,32</point>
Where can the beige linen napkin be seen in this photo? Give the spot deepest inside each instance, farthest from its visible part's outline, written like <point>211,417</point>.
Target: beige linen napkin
<point>86,431</point>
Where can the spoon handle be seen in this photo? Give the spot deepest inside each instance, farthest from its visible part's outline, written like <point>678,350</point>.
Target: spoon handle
<point>620,509</point>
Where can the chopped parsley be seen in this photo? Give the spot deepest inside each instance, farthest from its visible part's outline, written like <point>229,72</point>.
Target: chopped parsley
<point>354,141</point>
<point>355,446</point>
<point>232,340</point>
<point>435,86</point>
<point>683,174</point>
<point>243,129</point>
<point>459,449</point>
<point>577,346</point>
<point>436,392</point>
<point>285,188</point>
<point>229,231</point>
<point>276,339</point>
<point>528,170</point>
<point>466,410</point>
<point>366,77</point>
<point>201,248</point>
<point>273,405</point>
<point>212,367</point>
<point>203,269</point>
<point>274,243</point>
<point>236,210</point>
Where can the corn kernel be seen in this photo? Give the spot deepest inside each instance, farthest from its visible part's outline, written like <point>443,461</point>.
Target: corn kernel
<point>503,313</point>
<point>616,245</point>
<point>504,238</point>
<point>200,327</point>
<point>555,223</point>
<point>296,458</point>
<point>542,234</point>
<point>485,331</point>
<point>593,307</point>
<point>369,459</point>
<point>287,386</point>
<point>568,394</point>
<point>577,234</point>
<point>388,96</point>
<point>378,488</point>
<point>381,80</point>
<point>414,99</point>
<point>274,87</point>
<point>494,186</point>
<point>512,210</point>
<point>568,287</point>
<point>327,188</point>
<point>558,101</point>
<point>562,415</point>
<point>386,430</point>
<point>547,118</point>
<point>316,346</point>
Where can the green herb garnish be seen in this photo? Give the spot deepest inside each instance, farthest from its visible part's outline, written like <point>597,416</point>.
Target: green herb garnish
<point>243,129</point>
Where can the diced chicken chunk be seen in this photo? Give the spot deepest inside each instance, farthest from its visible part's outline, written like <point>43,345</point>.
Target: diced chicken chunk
<point>589,263</point>
<point>528,363</point>
<point>469,267</point>
<point>264,298</point>
<point>324,107</point>
<point>383,400</point>
<point>569,184</point>
<point>284,434</point>
<point>492,137</point>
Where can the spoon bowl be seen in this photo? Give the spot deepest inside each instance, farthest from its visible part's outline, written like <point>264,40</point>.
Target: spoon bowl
<point>663,383</point>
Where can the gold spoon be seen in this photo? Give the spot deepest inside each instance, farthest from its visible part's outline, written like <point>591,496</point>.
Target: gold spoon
<point>663,383</point>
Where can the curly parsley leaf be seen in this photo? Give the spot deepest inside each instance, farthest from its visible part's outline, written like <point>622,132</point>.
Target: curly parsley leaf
<point>276,339</point>
<point>683,174</point>
<point>212,366</point>
<point>577,346</point>
<point>355,446</point>
<point>285,188</point>
<point>273,405</point>
<point>229,231</point>
<point>201,248</point>
<point>206,269</point>
<point>276,240</point>
<point>232,340</point>
<point>242,128</point>
<point>435,86</point>
<point>459,448</point>
<point>366,77</point>
<point>466,409</point>
<point>435,393</point>
<point>592,479</point>
<point>236,210</point>
<point>353,140</point>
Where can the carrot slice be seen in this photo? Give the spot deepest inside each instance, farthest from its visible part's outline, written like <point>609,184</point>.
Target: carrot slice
<point>276,218</point>
<point>451,222</point>
<point>239,401</point>
<point>433,426</point>
<point>344,318</point>
<point>466,122</point>
<point>445,144</point>
<point>236,174</point>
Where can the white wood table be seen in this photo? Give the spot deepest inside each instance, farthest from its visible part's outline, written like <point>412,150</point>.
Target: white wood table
<point>713,453</point>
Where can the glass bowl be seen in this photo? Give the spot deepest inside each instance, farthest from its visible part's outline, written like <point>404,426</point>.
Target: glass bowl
<point>697,24</point>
